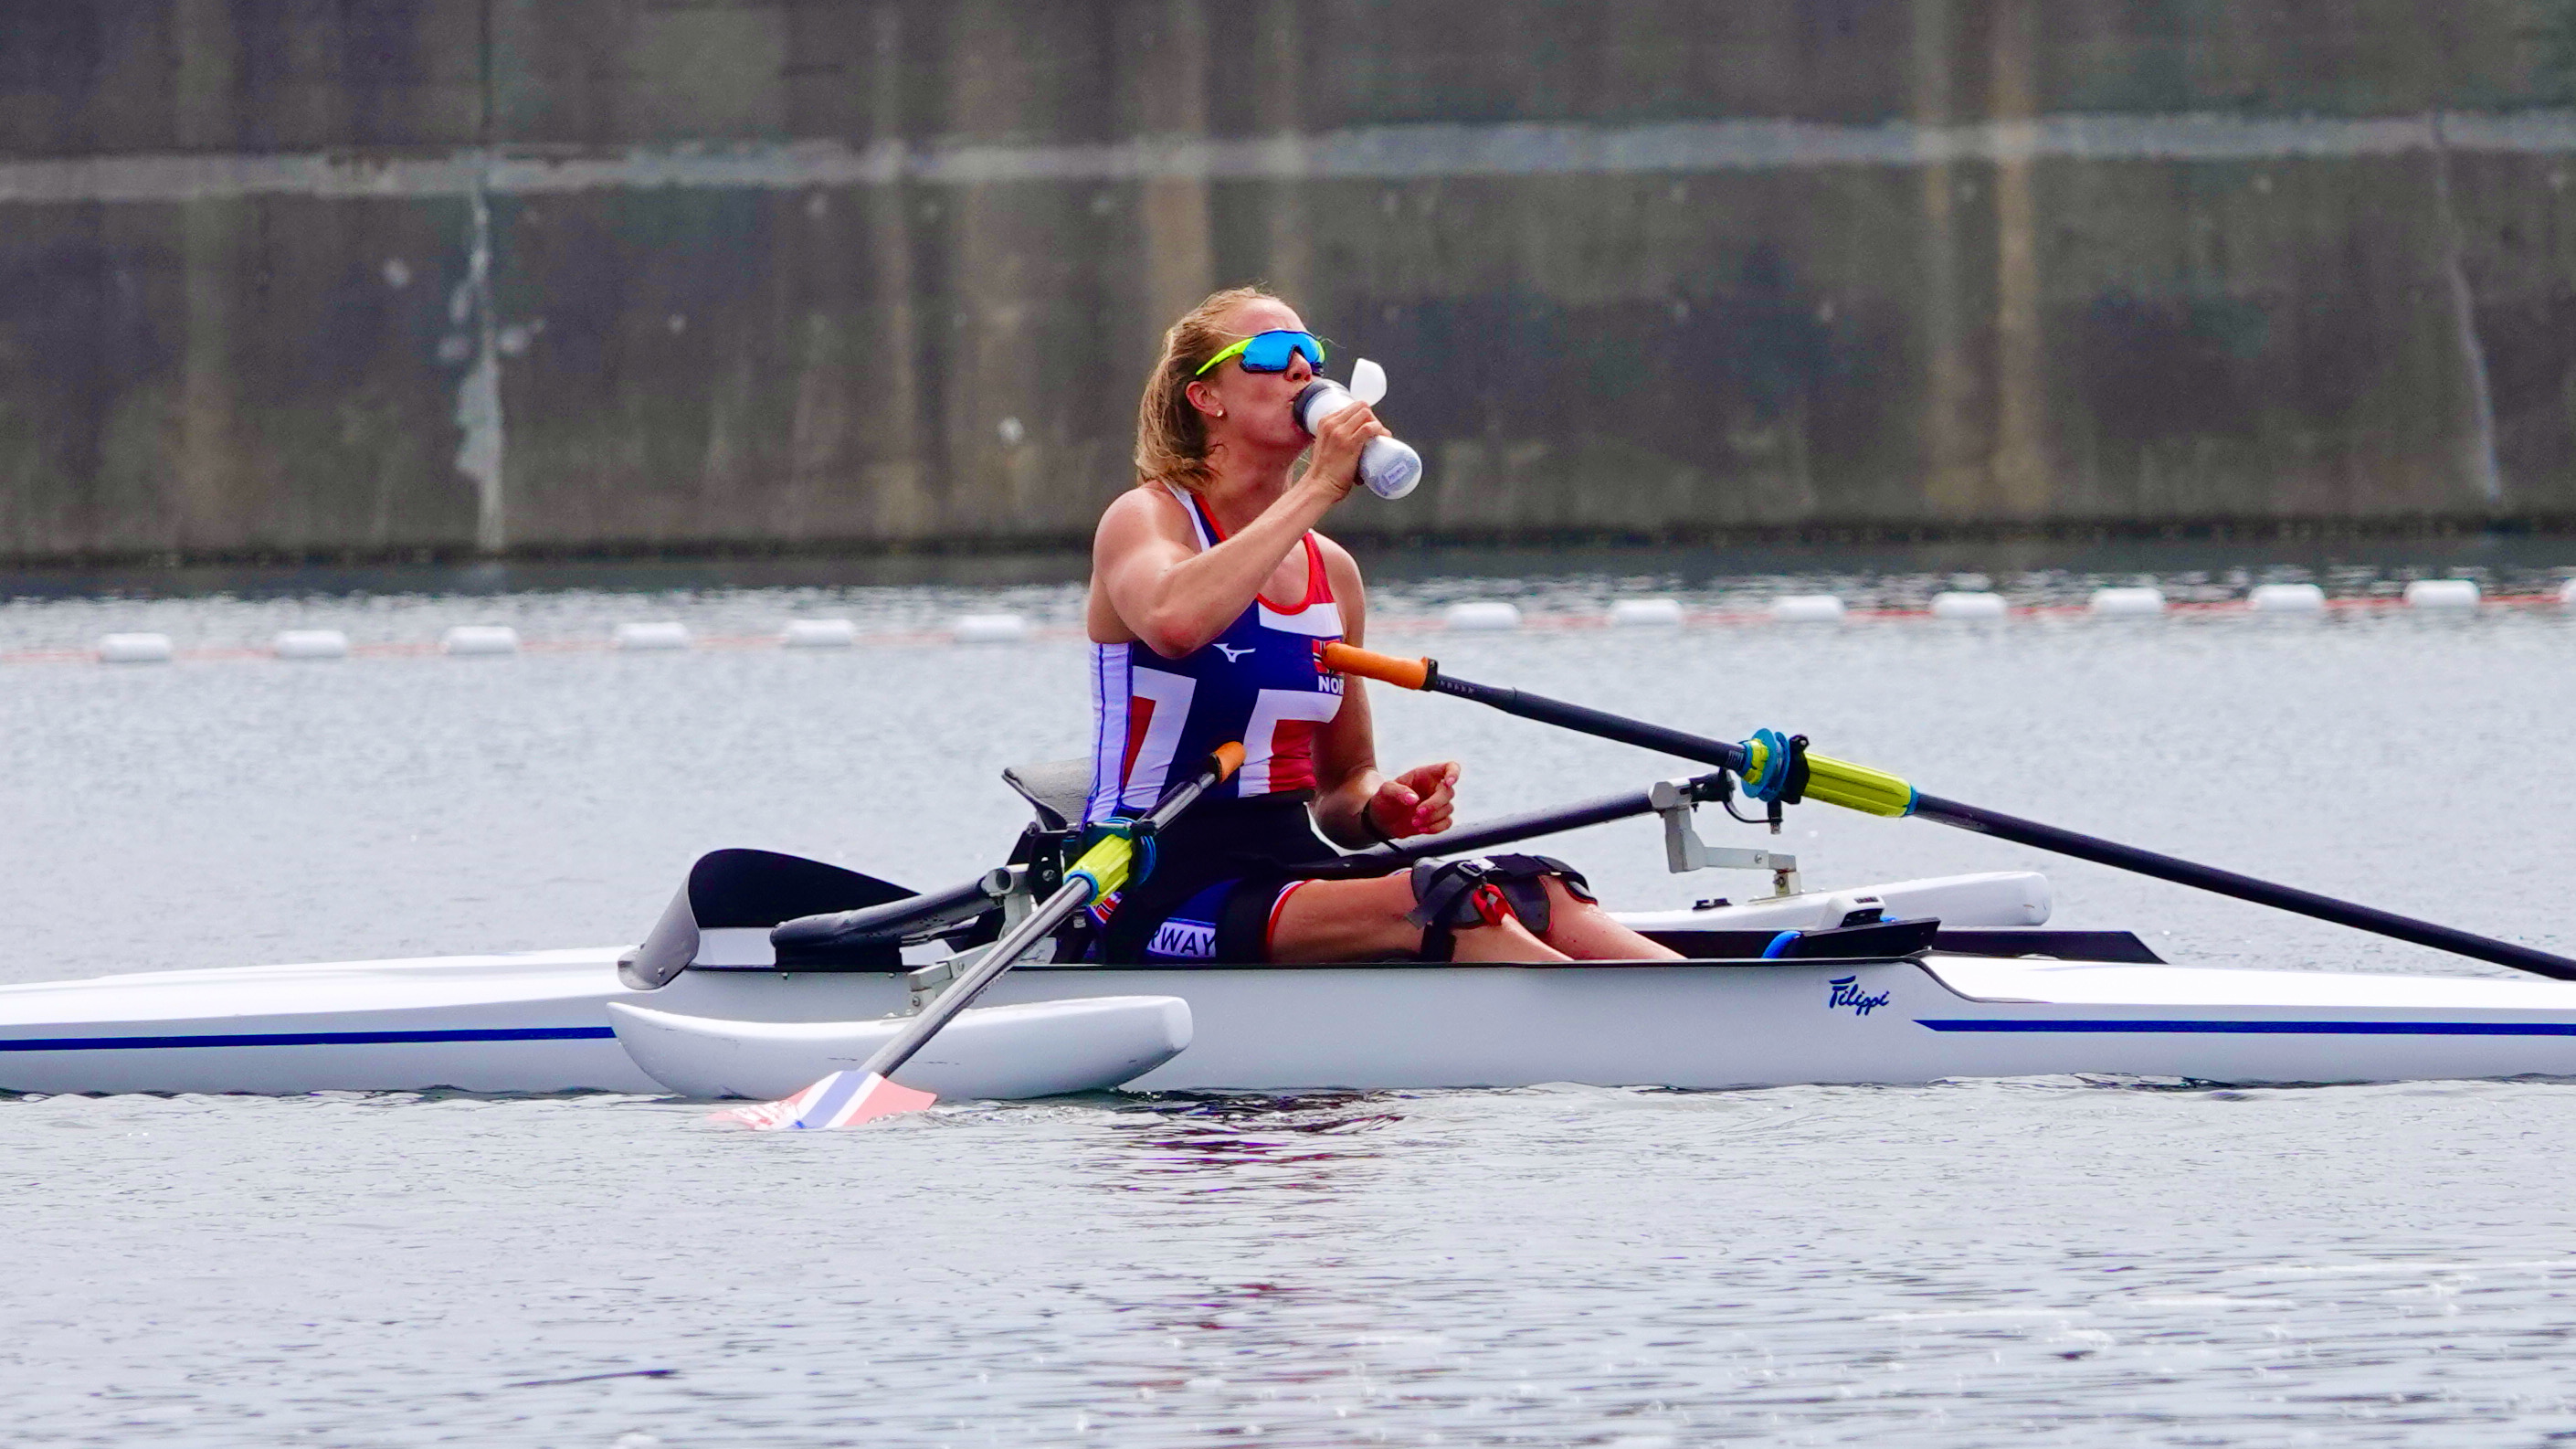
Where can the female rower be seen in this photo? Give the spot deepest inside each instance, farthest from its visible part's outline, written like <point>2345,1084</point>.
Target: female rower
<point>1211,598</point>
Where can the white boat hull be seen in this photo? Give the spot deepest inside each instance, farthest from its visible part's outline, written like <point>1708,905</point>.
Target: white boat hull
<point>533,1021</point>
<point>1686,1025</point>
<point>1270,1028</point>
<point>539,1021</point>
<point>1005,1053</point>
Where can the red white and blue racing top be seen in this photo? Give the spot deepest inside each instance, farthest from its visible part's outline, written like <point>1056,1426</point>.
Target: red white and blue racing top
<point>1262,682</point>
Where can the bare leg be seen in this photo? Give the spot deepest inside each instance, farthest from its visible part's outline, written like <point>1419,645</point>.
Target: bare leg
<point>1507,940</point>
<point>1346,920</point>
<point>1586,932</point>
<point>1363,920</point>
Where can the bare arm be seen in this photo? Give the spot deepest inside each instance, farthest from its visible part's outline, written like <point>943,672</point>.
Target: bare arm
<point>1174,598</point>
<point>1350,794</point>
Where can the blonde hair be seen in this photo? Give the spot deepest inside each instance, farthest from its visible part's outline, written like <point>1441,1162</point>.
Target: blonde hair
<point>1171,436</point>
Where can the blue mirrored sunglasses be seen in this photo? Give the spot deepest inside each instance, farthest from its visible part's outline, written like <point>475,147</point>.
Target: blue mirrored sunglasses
<point>1270,351</point>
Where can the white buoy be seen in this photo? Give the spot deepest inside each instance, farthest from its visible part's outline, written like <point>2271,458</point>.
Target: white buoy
<point>1646,613</point>
<point>2287,599</point>
<point>1965,604</point>
<point>467,639</point>
<point>990,629</point>
<point>310,644</point>
<point>821,634</point>
<point>2567,593</point>
<point>2141,602</point>
<point>660,634</point>
<point>1484,614</point>
<point>1807,609</point>
<point>134,649</point>
<point>2442,594</point>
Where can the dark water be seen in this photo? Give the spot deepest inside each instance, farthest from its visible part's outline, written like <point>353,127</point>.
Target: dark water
<point>2027,1262</point>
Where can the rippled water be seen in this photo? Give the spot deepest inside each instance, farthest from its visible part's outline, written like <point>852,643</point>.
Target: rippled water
<point>2027,1262</point>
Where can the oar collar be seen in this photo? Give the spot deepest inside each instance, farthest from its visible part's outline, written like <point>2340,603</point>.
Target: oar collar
<point>1775,767</point>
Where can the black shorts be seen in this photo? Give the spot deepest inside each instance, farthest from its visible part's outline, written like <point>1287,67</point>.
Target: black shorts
<point>1219,876</point>
<point>1229,921</point>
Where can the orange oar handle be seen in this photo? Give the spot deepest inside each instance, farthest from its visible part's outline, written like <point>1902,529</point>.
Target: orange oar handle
<point>1369,664</point>
<point>1229,758</point>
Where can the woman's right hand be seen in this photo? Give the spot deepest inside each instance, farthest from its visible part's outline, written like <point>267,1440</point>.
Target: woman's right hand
<point>1339,440</point>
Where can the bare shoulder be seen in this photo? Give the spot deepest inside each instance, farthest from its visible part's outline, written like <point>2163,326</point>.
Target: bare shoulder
<point>1339,567</point>
<point>1139,514</point>
<point>1144,507</point>
<point>1350,593</point>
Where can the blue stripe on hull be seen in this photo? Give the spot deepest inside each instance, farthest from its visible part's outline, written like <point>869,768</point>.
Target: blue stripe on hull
<point>303,1038</point>
<point>2275,1028</point>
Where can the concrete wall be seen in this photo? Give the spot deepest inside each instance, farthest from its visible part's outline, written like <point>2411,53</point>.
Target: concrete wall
<point>390,276</point>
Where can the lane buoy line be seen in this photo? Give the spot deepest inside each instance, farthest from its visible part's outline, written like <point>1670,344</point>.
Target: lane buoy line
<point>809,635</point>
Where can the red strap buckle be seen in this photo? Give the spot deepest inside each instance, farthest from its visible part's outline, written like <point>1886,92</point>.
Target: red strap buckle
<point>1491,905</point>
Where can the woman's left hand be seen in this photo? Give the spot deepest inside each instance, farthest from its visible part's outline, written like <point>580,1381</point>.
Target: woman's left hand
<point>1418,802</point>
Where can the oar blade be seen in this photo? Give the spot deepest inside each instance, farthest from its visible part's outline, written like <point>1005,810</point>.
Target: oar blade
<point>843,1099</point>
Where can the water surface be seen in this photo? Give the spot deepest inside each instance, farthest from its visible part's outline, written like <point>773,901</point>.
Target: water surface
<point>2043,1262</point>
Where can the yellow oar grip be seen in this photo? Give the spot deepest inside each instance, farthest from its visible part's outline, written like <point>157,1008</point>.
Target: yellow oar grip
<point>1857,787</point>
<point>1106,865</point>
<point>1369,664</point>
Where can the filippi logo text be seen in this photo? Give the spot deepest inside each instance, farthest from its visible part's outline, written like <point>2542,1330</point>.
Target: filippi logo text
<point>1845,991</point>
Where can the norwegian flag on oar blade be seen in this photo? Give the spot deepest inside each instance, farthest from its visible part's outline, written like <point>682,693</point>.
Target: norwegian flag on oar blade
<point>840,1100</point>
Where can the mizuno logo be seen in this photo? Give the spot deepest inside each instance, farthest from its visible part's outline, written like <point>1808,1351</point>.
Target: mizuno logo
<point>1233,653</point>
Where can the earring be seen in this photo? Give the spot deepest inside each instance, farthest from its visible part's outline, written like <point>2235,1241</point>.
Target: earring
<point>1220,412</point>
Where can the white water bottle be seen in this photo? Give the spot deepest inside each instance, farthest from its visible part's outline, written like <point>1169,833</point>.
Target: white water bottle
<point>1389,468</point>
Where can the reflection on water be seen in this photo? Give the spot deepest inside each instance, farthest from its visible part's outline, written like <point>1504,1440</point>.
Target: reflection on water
<point>1558,1266</point>
<point>2077,1262</point>
<point>1236,1143</point>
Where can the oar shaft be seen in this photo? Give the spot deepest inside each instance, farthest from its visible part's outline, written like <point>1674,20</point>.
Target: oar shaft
<point>2242,887</point>
<point>1081,886</point>
<point>1858,787</point>
<point>1590,721</point>
<point>1835,782</point>
<point>1006,953</point>
<point>1505,831</point>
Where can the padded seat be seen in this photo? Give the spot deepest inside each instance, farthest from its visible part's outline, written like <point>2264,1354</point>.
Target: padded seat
<point>1058,789</point>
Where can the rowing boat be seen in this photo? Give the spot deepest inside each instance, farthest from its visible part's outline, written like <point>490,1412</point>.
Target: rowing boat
<point>767,970</point>
<point>1990,992</point>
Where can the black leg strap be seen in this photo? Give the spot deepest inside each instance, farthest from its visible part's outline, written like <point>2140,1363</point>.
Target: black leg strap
<point>1453,895</point>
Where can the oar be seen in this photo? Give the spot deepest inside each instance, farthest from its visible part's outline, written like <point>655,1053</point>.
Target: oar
<point>1503,830</point>
<point>1777,768</point>
<point>846,1098</point>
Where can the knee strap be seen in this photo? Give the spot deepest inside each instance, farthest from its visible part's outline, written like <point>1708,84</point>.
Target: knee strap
<point>1453,895</point>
